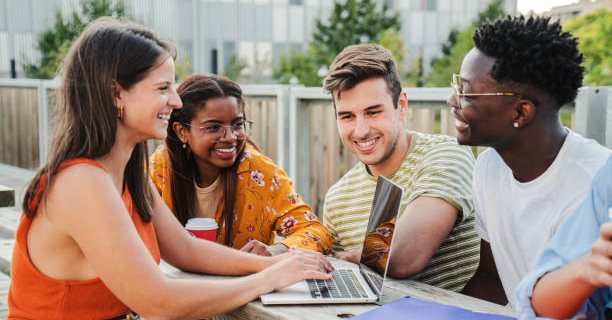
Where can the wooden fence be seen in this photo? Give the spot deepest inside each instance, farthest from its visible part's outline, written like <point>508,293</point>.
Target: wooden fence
<point>294,126</point>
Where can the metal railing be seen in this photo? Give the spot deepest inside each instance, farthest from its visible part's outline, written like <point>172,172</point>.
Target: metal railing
<point>294,125</point>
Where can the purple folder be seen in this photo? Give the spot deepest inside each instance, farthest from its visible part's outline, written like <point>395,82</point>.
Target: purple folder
<point>413,308</point>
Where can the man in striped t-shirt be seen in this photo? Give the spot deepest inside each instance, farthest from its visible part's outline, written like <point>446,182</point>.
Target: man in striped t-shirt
<point>437,243</point>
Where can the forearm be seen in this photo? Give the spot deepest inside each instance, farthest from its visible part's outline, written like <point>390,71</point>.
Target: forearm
<point>418,233</point>
<point>560,293</point>
<point>198,257</point>
<point>189,299</point>
<point>407,263</point>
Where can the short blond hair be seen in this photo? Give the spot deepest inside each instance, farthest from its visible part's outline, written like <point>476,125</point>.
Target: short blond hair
<point>358,63</point>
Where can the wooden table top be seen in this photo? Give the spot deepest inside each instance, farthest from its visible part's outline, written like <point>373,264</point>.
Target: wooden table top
<point>393,290</point>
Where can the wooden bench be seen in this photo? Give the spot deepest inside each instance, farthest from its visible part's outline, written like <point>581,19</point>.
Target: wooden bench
<point>7,196</point>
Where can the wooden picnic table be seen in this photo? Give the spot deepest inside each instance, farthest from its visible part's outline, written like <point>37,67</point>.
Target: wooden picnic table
<point>394,289</point>
<point>7,196</point>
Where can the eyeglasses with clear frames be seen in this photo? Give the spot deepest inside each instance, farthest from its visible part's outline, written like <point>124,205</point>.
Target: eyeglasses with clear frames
<point>240,129</point>
<point>456,85</point>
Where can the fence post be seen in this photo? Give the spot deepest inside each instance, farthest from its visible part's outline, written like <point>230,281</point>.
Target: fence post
<point>591,113</point>
<point>291,166</point>
<point>43,123</point>
<point>282,101</point>
<point>609,117</point>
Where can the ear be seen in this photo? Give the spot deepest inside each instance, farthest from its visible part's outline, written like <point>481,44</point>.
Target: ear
<point>181,131</point>
<point>118,93</point>
<point>523,113</point>
<point>402,105</point>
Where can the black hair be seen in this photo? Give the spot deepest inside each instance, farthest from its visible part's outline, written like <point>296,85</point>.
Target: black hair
<point>534,52</point>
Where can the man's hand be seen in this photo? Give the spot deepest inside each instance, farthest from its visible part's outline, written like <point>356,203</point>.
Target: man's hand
<point>259,248</point>
<point>352,255</point>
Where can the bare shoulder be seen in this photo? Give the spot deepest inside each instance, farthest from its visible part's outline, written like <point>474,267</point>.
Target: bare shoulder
<point>78,187</point>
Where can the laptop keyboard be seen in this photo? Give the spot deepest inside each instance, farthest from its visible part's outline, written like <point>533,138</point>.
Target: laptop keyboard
<point>344,284</point>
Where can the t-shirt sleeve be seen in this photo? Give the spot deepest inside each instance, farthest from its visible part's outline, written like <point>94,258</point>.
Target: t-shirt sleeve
<point>446,173</point>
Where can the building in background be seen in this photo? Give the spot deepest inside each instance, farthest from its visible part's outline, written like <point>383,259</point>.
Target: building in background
<point>579,8</point>
<point>209,32</point>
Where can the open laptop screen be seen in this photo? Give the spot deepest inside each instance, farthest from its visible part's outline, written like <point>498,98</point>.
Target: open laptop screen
<point>377,243</point>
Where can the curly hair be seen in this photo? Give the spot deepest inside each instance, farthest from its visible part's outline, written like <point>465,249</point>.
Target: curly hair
<point>534,52</point>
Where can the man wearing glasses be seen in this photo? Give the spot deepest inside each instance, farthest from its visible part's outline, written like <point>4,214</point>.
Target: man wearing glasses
<point>535,172</point>
<point>438,244</point>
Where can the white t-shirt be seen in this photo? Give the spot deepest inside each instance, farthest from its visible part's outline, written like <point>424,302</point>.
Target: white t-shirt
<point>518,219</point>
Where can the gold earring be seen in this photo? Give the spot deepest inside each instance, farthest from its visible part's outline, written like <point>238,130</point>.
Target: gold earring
<point>120,112</point>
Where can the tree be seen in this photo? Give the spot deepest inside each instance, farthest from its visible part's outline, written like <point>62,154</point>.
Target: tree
<point>299,64</point>
<point>594,33</point>
<point>53,44</point>
<point>391,40</point>
<point>457,45</point>
<point>351,22</point>
<point>183,67</point>
<point>234,67</point>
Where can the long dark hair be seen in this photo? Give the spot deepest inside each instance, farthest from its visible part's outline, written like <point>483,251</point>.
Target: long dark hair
<point>107,53</point>
<point>195,91</point>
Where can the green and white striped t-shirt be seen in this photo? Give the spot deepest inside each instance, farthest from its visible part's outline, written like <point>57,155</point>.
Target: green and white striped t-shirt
<point>435,166</point>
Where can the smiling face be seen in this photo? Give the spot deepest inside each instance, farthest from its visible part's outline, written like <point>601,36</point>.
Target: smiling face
<point>148,103</point>
<point>214,151</point>
<point>482,120</point>
<point>368,123</point>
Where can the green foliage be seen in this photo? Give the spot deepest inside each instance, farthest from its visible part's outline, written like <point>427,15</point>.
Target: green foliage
<point>493,11</point>
<point>414,77</point>
<point>391,40</point>
<point>234,67</point>
<point>594,32</point>
<point>457,45</point>
<point>444,67</point>
<point>55,42</point>
<point>183,67</point>
<point>299,64</point>
<point>351,22</point>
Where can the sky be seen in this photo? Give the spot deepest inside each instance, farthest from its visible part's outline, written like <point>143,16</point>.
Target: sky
<point>524,6</point>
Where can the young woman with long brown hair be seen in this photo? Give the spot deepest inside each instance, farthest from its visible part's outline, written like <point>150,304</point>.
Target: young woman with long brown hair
<point>207,169</point>
<point>93,232</point>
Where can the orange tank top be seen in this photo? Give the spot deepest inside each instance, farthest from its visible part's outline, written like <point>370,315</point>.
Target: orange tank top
<point>33,295</point>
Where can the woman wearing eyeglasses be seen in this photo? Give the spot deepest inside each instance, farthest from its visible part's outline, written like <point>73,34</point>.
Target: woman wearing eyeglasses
<point>93,230</point>
<point>209,168</point>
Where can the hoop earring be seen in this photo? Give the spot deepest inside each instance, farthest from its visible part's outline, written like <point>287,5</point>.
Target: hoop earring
<point>120,112</point>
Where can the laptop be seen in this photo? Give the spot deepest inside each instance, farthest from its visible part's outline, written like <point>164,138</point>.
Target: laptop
<point>357,284</point>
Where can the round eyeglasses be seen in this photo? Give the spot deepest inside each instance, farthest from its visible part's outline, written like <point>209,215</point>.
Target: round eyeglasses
<point>457,87</point>
<point>239,129</point>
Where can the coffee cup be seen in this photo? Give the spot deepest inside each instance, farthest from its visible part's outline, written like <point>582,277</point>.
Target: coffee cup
<point>203,228</point>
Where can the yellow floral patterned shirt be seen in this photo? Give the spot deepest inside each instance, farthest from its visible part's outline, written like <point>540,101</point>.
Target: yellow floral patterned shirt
<point>265,202</point>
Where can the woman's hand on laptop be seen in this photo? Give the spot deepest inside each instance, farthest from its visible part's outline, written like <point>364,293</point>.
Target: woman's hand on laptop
<point>352,255</point>
<point>297,265</point>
